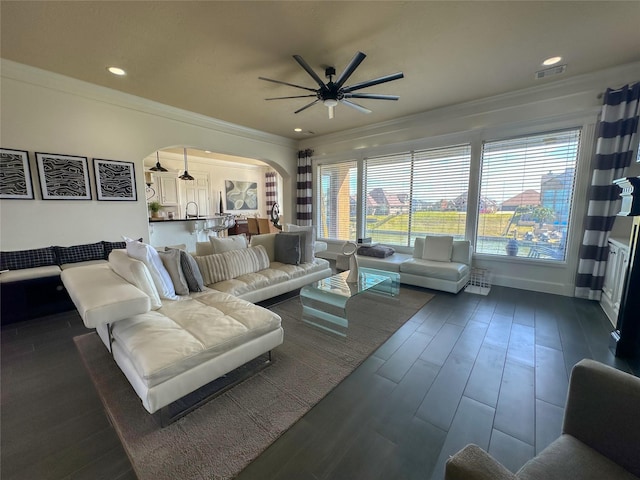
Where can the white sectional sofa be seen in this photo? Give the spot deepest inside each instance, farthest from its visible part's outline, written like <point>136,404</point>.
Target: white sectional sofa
<point>432,265</point>
<point>168,348</point>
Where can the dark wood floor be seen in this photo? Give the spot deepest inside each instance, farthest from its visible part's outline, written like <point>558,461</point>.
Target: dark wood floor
<point>466,368</point>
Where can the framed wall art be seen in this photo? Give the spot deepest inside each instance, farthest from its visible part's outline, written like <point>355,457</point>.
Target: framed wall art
<point>241,195</point>
<point>115,180</point>
<point>63,177</point>
<point>15,175</point>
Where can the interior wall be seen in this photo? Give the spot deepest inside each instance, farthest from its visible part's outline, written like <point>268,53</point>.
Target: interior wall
<point>573,101</point>
<point>45,112</point>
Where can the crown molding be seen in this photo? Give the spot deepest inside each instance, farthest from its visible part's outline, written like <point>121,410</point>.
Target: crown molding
<point>593,83</point>
<point>54,81</point>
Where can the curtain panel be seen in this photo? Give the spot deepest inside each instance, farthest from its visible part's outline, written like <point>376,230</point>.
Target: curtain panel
<point>616,138</point>
<point>304,188</point>
<point>271,189</point>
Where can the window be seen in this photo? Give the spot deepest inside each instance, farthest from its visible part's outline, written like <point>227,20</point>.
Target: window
<point>416,193</point>
<point>337,201</point>
<point>526,190</point>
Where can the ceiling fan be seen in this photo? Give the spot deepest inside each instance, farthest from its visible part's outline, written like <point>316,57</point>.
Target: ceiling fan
<point>332,93</point>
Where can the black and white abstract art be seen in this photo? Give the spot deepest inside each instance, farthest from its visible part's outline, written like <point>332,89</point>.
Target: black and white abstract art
<point>115,180</point>
<point>15,175</point>
<point>63,177</point>
<point>241,195</point>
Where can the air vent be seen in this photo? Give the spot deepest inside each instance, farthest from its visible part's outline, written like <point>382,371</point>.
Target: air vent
<point>549,72</point>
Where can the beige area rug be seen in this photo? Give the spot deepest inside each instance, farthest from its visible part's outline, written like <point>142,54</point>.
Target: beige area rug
<point>219,439</point>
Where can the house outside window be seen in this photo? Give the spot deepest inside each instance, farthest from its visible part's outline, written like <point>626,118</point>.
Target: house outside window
<point>529,183</point>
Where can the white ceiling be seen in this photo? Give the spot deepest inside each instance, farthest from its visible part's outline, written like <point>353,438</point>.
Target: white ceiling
<point>206,57</point>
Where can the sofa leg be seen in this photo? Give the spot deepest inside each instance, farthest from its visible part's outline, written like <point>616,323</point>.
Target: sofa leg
<point>178,409</point>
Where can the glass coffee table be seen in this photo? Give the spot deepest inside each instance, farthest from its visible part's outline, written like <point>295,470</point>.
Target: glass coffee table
<point>324,303</point>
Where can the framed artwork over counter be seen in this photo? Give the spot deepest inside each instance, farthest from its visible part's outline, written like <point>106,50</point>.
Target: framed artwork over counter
<point>15,175</point>
<point>63,177</point>
<point>241,195</point>
<point>115,180</point>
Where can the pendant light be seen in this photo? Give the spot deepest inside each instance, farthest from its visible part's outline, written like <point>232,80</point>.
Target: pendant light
<point>185,175</point>
<point>158,167</point>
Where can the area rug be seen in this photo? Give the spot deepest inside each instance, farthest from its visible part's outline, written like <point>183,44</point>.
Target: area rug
<point>219,439</point>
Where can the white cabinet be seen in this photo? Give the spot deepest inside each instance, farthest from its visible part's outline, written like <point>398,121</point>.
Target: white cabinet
<point>167,189</point>
<point>614,279</point>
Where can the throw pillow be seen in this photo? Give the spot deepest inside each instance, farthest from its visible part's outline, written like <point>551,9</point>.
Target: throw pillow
<point>80,253</point>
<point>149,256</point>
<point>17,260</point>
<point>171,261</point>
<point>268,241</point>
<point>191,272</point>
<point>287,248</point>
<point>226,244</point>
<point>213,268</point>
<point>108,246</point>
<point>437,248</point>
<point>308,244</point>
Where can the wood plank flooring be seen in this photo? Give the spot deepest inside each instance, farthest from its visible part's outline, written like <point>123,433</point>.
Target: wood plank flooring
<point>466,368</point>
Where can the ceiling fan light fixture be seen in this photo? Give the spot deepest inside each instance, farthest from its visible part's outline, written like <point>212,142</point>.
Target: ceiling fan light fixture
<point>330,102</point>
<point>158,167</point>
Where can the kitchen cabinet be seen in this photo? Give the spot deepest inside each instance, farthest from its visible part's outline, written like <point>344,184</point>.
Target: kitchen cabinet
<point>614,279</point>
<point>167,189</point>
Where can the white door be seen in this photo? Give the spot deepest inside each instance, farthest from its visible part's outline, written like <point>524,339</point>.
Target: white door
<point>196,191</point>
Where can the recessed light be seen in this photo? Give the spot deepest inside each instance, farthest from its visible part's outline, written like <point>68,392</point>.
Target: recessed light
<point>297,129</point>
<point>551,61</point>
<point>117,71</point>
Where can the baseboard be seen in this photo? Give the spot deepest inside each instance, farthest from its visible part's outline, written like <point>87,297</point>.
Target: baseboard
<point>534,285</point>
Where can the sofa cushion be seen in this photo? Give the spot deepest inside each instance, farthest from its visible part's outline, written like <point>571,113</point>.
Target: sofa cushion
<point>437,248</point>
<point>190,332</point>
<point>203,248</point>
<point>461,251</point>
<point>287,248</point>
<point>213,268</point>
<point>149,256</point>
<point>80,253</point>
<point>102,296</point>
<point>171,261</point>
<point>136,273</point>
<point>567,457</point>
<point>450,271</point>
<point>65,266</point>
<point>29,274</point>
<point>17,260</point>
<point>190,270</point>
<point>226,244</point>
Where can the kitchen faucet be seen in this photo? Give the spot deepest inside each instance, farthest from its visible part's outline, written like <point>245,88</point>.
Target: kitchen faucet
<point>186,210</point>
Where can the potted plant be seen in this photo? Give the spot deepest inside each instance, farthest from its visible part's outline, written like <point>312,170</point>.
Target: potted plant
<point>154,208</point>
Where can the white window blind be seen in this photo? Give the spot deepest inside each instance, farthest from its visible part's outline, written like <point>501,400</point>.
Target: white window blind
<point>526,191</point>
<point>416,193</point>
<point>336,200</point>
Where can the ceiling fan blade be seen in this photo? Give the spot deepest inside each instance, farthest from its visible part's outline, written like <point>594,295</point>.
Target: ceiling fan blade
<point>331,112</point>
<point>307,105</point>
<point>371,96</point>
<point>295,96</point>
<point>355,106</point>
<point>375,81</point>
<point>285,83</point>
<point>308,69</point>
<point>346,73</point>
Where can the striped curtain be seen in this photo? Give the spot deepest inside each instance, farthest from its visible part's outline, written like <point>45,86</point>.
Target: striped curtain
<point>271,189</point>
<point>304,192</point>
<point>616,139</point>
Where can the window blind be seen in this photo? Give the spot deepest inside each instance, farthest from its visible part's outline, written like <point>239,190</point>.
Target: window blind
<point>526,192</point>
<point>416,193</point>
